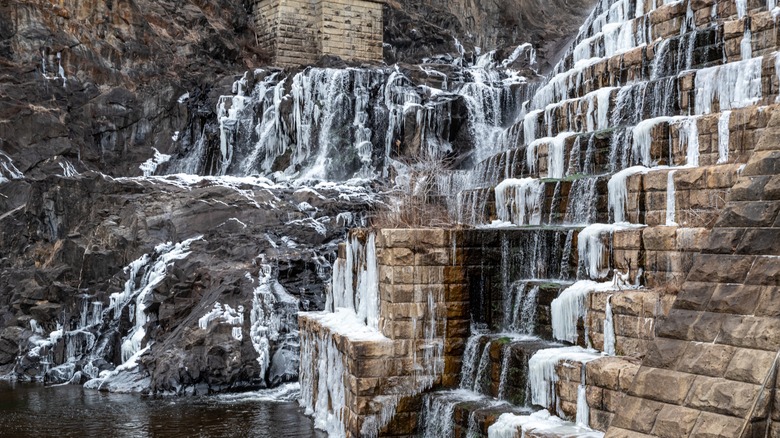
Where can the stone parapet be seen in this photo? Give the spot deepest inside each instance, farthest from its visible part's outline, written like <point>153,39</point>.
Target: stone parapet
<point>300,32</point>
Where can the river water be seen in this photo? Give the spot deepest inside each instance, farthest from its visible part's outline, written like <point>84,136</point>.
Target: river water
<point>71,411</point>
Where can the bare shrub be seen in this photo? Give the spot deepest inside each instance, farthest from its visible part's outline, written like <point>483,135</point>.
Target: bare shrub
<point>416,201</point>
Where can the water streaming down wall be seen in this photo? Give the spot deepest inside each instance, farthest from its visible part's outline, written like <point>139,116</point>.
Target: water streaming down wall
<point>355,281</point>
<point>88,338</point>
<point>338,124</point>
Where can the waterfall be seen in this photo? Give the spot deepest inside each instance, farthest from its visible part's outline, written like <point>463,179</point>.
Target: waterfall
<point>555,155</point>
<point>581,207</point>
<point>470,358</point>
<point>524,311</point>
<point>569,307</point>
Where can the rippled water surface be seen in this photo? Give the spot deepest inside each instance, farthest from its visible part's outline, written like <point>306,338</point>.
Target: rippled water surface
<point>72,411</point>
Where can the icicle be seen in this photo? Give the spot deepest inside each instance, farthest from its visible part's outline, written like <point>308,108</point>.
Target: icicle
<point>736,85</point>
<point>609,329</point>
<point>723,137</point>
<point>671,203</point>
<point>570,306</point>
<point>618,191</point>
<point>519,201</point>
<point>555,155</point>
<point>542,375</point>
<point>583,410</point>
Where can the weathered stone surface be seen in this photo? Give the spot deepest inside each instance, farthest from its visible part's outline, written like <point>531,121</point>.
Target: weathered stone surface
<point>673,390</point>
<point>706,359</point>
<point>726,397</point>
<point>711,425</point>
<point>675,421</point>
<point>637,414</point>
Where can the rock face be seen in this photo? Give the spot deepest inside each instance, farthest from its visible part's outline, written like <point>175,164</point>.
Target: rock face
<point>96,83</point>
<point>68,242</point>
<point>418,29</point>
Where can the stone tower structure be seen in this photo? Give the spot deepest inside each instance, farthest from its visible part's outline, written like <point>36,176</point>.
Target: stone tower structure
<point>300,32</point>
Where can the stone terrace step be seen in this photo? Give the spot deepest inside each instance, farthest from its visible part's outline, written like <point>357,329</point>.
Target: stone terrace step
<point>709,46</point>
<point>590,153</point>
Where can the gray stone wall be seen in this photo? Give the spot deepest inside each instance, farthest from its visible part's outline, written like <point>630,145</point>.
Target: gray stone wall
<point>300,32</point>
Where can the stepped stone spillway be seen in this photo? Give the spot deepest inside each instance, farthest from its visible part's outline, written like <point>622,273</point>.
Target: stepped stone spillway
<point>647,159</point>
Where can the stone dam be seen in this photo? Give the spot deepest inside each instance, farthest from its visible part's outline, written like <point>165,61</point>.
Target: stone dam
<point>414,218</point>
<point>613,272</point>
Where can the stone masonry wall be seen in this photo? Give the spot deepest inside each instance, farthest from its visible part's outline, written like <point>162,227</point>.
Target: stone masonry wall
<point>423,305</point>
<point>717,350</point>
<point>300,32</point>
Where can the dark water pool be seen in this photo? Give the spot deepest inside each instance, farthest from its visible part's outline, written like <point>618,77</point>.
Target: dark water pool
<point>72,411</point>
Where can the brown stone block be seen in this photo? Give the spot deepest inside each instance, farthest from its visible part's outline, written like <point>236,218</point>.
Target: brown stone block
<point>386,274</point>
<point>457,292</point>
<point>748,214</point>
<point>434,257</point>
<point>600,420</point>
<point>751,332</point>
<point>403,330</point>
<point>711,425</point>
<point>722,396</point>
<point>364,386</point>
<point>695,296</point>
<point>458,329</point>
<point>706,359</point>
<point>648,384</point>
<point>659,238</point>
<point>675,421</point>
<point>627,239</point>
<point>595,397</point>
<point>664,353</point>
<point>402,311</point>
<point>763,162</point>
<point>429,275</point>
<point>567,391</point>
<point>750,189</point>
<point>720,268</point>
<point>605,372</point>
<point>370,350</point>
<point>765,272</point>
<point>454,275</point>
<point>637,414</point>
<point>769,302</point>
<point>399,293</point>
<point>454,346</point>
<point>458,310</point>
<point>750,366</point>
<point>630,303</point>
<point>628,374</point>
<point>630,347</point>
<point>397,257</point>
<point>404,275</point>
<point>735,298</point>
<point>371,368</point>
<point>613,400</point>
